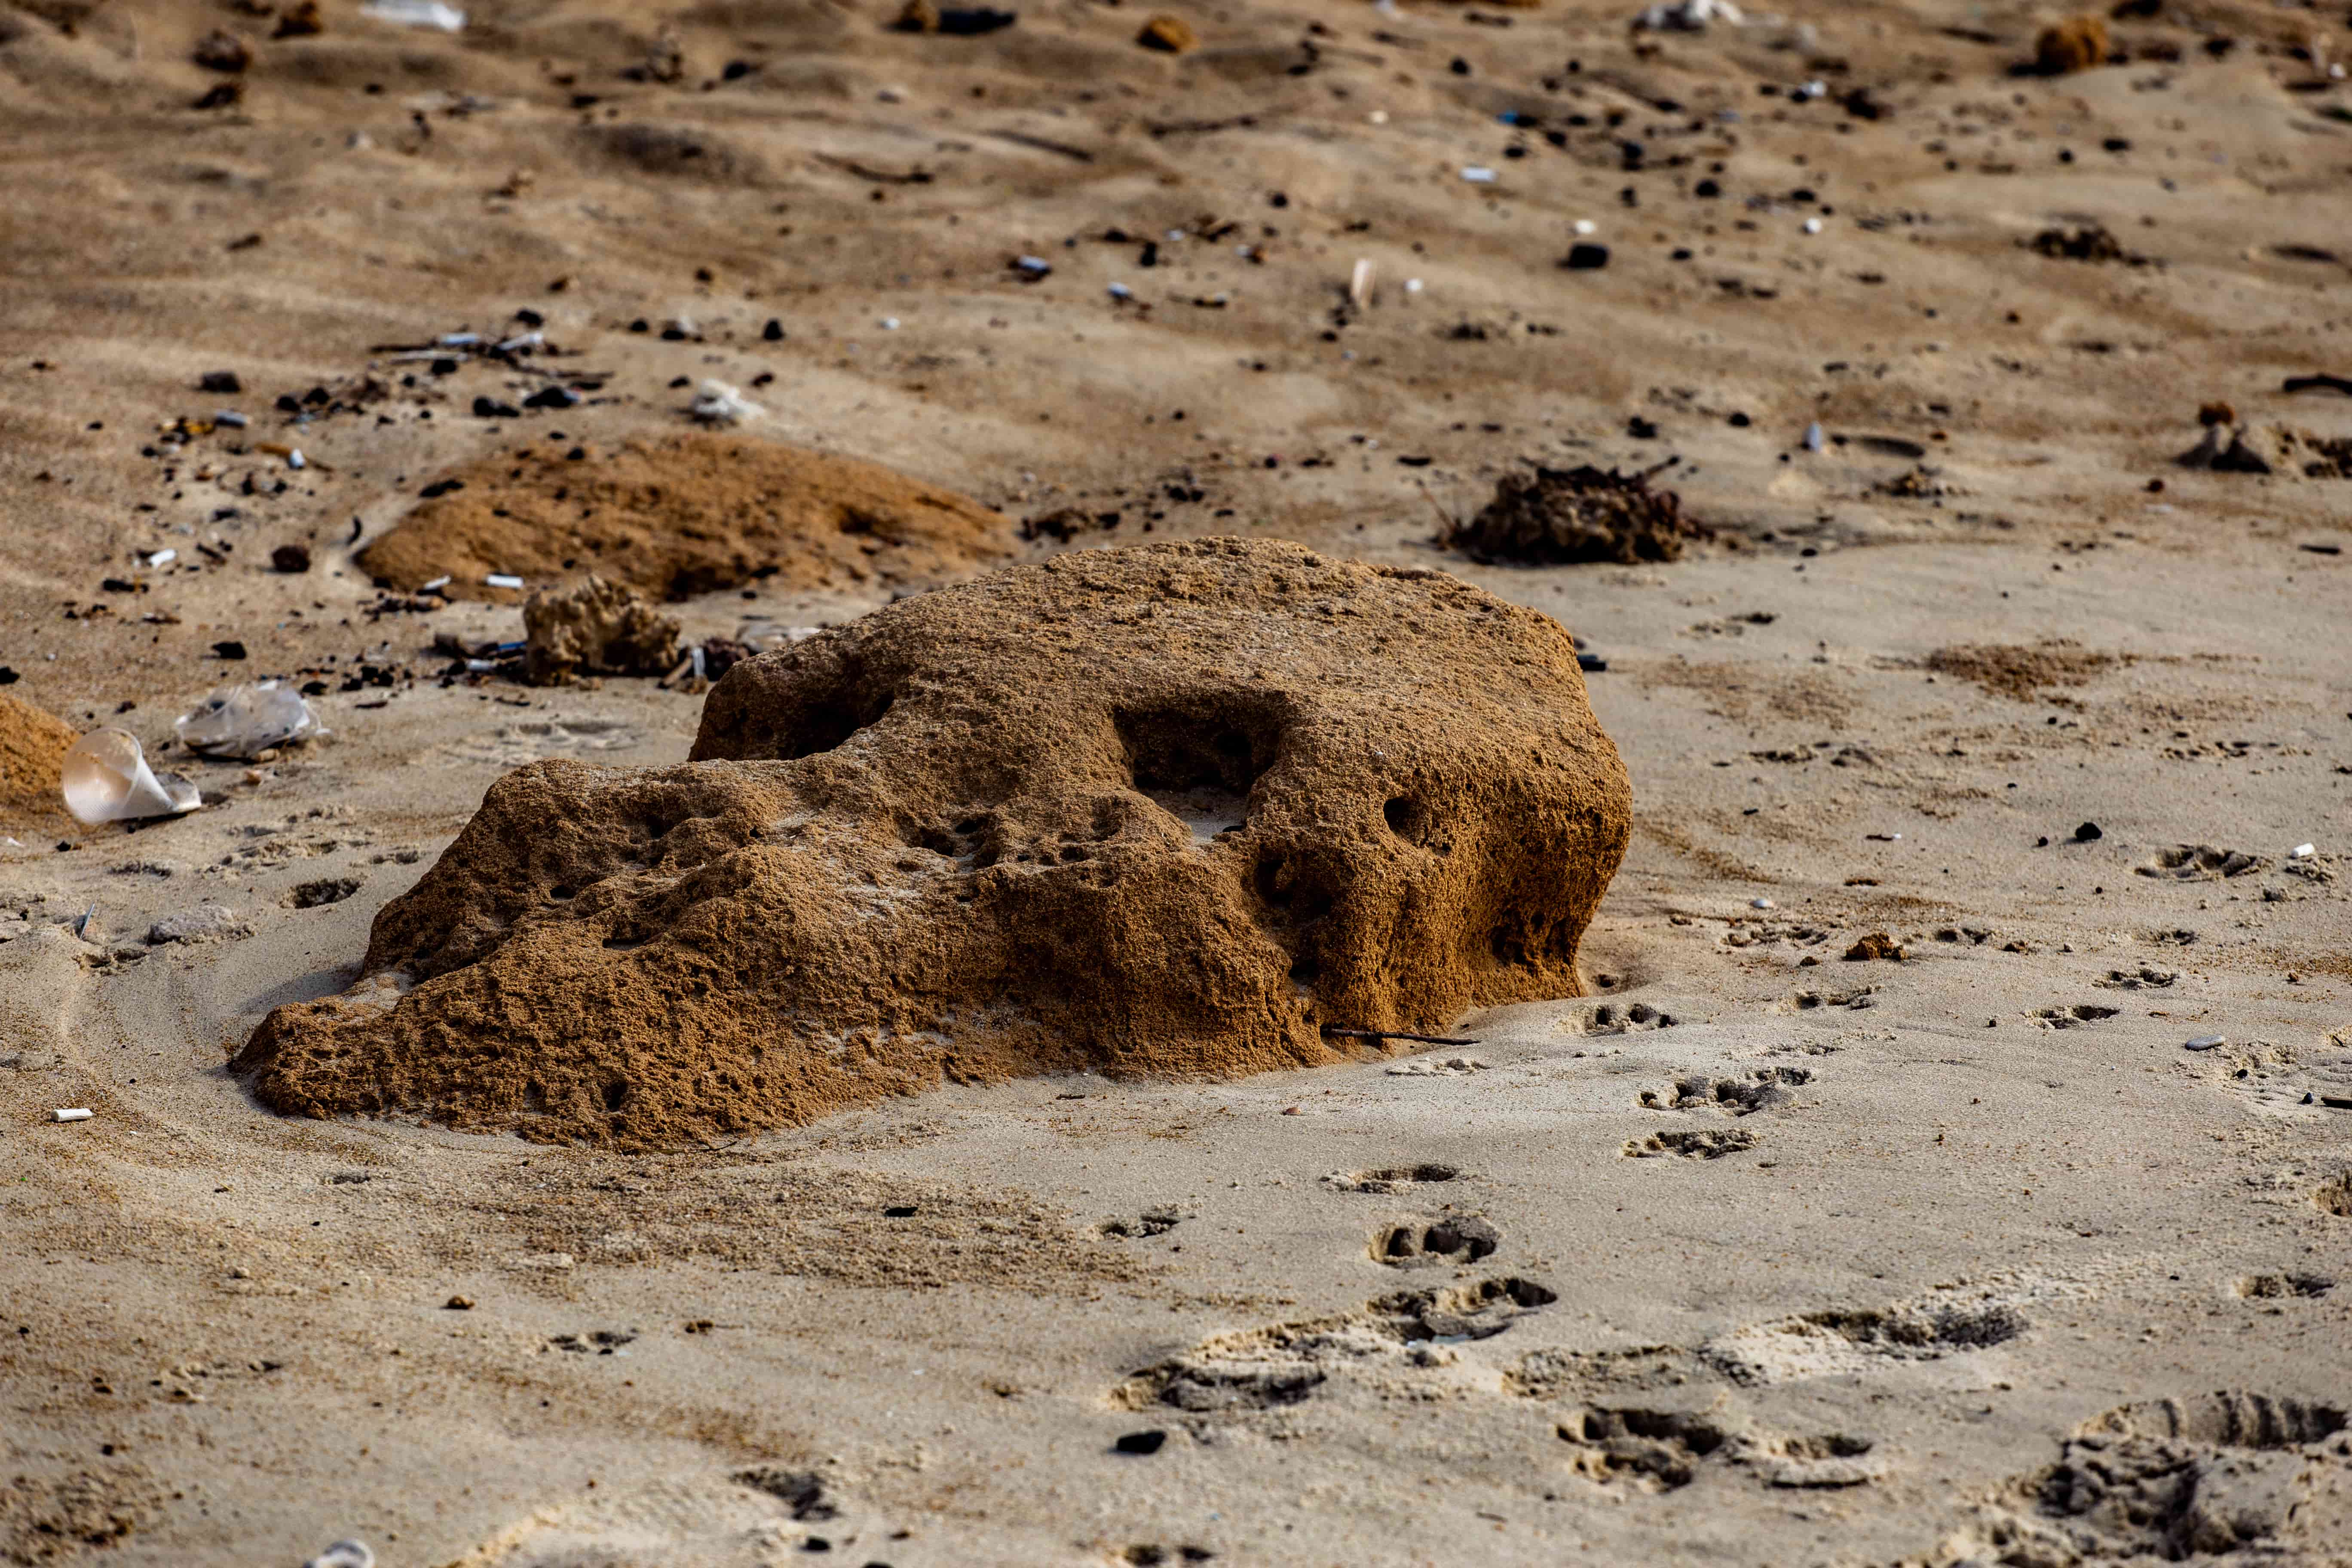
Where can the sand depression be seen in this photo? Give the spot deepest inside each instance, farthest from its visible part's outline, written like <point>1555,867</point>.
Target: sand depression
<point>1168,810</point>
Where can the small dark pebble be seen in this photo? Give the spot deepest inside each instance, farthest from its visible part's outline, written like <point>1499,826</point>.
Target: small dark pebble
<point>1142,1442</point>
<point>1740,422</point>
<point>290,558</point>
<point>2087,832</point>
<point>773,333</point>
<point>1586,258</point>
<point>219,381</point>
<point>314,689</point>
<point>491,408</point>
<point>1593,662</point>
<point>8,676</point>
<point>552,397</point>
<point>817,1543</point>
<point>442,367</point>
<point>971,23</point>
<point>899,1211</point>
<point>440,488</point>
<point>229,649</point>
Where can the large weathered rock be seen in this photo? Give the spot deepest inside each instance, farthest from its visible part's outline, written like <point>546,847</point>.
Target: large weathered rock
<point>594,628</point>
<point>1172,810</point>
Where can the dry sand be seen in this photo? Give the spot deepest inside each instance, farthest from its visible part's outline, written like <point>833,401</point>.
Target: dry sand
<point>1774,1260</point>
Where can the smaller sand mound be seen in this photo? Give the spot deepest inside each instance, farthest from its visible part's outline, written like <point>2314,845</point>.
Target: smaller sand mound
<point>1557,516</point>
<point>2020,672</point>
<point>33,747</point>
<point>689,514</point>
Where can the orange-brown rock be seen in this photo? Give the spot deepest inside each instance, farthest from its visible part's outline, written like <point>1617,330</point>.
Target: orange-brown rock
<point>687,514</point>
<point>1170,35</point>
<point>2077,44</point>
<point>1164,810</point>
<point>33,747</point>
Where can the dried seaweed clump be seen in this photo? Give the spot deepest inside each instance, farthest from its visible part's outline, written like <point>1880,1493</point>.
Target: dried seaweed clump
<point>1557,516</point>
<point>2093,242</point>
<point>2077,44</point>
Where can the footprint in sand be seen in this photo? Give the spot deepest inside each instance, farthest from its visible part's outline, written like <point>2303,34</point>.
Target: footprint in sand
<point>1156,1221</point>
<point>1609,1018</point>
<point>1391,1179</point>
<point>2280,1287</point>
<point>2072,1017</point>
<point>1707,1143</point>
<point>2200,863</point>
<point>1286,1364</point>
<point>1762,1089</point>
<point>1456,1238</point>
<point>1665,1450</point>
<point>512,745</point>
<point>2146,977</point>
<point>2334,1196</point>
<point>2246,1476</point>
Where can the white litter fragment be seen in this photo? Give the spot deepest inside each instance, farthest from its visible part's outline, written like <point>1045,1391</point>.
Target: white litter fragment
<point>1478,174</point>
<point>244,721</point>
<point>522,341</point>
<point>1813,226</point>
<point>1033,268</point>
<point>717,403</point>
<point>502,580</point>
<point>69,1113</point>
<point>345,1554</point>
<point>1585,225</point>
<point>435,586</point>
<point>416,14</point>
<point>1360,285</point>
<point>162,557</point>
<point>1814,439</point>
<point>1121,291</point>
<point>295,459</point>
<point>1378,117</point>
<point>230,419</point>
<point>105,778</point>
<point>458,340</point>
<point>1762,904</point>
<point>890,323</point>
<point>1412,285</point>
<point>2303,852</point>
<point>1690,16</point>
<point>2204,1043</point>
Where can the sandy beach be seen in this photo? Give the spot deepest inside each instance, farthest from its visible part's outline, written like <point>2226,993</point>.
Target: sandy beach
<point>1939,1150</point>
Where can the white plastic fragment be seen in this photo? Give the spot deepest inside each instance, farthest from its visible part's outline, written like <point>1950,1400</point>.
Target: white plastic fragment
<point>1585,225</point>
<point>1033,268</point>
<point>2303,852</point>
<point>522,341</point>
<point>229,419</point>
<point>106,779</point>
<point>1762,904</point>
<point>1360,285</point>
<point>1478,174</point>
<point>1813,226</point>
<point>247,720</point>
<point>1814,439</point>
<point>69,1113</point>
<point>1120,291</point>
<point>294,459</point>
<point>717,403</point>
<point>502,580</point>
<point>345,1554</point>
<point>1689,16</point>
<point>2203,1043</point>
<point>458,340</point>
<point>416,14</point>
<point>162,557</point>
<point>1412,285</point>
<point>435,586</point>
<point>890,323</point>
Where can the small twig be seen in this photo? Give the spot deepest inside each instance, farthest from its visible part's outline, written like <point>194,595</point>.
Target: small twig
<point>916,176</point>
<point>1023,138</point>
<point>1395,1035</point>
<point>2320,383</point>
<point>1449,526</point>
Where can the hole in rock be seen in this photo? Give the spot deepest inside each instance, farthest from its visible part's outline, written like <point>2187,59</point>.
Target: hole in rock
<point>1409,820</point>
<point>1197,767</point>
<point>616,1095</point>
<point>827,725</point>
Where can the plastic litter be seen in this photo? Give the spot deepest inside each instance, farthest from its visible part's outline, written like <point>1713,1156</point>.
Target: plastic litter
<point>1690,16</point>
<point>416,14</point>
<point>1762,904</point>
<point>435,586</point>
<point>2303,852</point>
<point>230,419</point>
<point>106,779</point>
<point>1121,291</point>
<point>69,1113</point>
<point>245,719</point>
<point>1585,225</point>
<point>1478,174</point>
<point>1813,226</point>
<point>502,580</point>
<point>1033,268</point>
<point>1814,439</point>
<point>345,1554</point>
<point>717,403</point>
<point>162,557</point>
<point>1360,285</point>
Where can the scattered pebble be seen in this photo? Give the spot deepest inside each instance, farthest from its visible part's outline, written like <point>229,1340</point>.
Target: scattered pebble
<point>2204,1043</point>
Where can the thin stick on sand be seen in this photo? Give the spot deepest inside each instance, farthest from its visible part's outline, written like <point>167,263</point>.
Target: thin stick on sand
<point>1395,1035</point>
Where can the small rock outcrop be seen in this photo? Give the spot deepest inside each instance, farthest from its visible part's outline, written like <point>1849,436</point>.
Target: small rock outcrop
<point>1559,516</point>
<point>1166,810</point>
<point>594,628</point>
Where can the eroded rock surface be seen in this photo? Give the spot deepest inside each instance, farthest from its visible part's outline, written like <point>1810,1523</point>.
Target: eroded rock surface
<point>1166,810</point>
<point>594,628</point>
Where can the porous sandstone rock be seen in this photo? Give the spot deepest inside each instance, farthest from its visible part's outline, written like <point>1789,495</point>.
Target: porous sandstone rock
<point>1164,810</point>
<point>594,628</point>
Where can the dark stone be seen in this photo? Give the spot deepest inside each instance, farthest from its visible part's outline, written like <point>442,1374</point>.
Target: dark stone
<point>231,649</point>
<point>1586,258</point>
<point>290,558</point>
<point>1142,1442</point>
<point>2087,832</point>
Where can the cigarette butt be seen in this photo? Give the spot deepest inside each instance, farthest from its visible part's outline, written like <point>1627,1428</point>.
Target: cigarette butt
<point>70,1115</point>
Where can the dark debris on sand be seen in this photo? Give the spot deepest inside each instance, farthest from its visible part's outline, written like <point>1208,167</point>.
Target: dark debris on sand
<point>1557,516</point>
